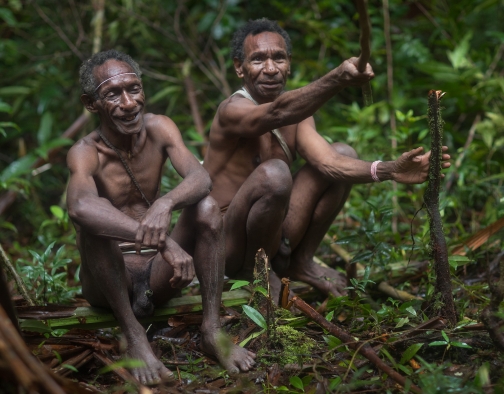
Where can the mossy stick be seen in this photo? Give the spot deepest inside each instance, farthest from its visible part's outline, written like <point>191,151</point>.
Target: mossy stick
<point>365,41</point>
<point>443,303</point>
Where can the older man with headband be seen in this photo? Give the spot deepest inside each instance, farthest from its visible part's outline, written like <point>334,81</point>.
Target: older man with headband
<point>115,203</point>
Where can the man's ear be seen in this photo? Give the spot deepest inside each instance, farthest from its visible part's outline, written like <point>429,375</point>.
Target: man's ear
<point>238,66</point>
<point>89,103</point>
<point>288,71</point>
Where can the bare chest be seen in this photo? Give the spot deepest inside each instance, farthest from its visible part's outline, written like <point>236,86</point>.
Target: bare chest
<point>123,187</point>
<point>268,146</point>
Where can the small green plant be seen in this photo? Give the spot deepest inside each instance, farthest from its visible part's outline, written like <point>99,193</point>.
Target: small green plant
<point>47,276</point>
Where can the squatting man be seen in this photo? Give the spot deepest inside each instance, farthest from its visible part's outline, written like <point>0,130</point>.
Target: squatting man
<point>256,135</point>
<point>114,201</point>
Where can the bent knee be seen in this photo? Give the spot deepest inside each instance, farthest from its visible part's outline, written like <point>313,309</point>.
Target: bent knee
<point>208,214</point>
<point>345,150</point>
<point>275,177</point>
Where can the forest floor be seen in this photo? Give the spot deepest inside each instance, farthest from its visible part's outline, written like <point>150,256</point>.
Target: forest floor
<point>293,353</point>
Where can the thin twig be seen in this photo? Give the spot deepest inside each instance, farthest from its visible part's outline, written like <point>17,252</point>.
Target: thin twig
<point>460,158</point>
<point>12,271</point>
<point>58,30</point>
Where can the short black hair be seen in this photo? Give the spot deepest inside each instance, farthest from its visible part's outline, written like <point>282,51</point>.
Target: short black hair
<point>86,77</point>
<point>255,27</point>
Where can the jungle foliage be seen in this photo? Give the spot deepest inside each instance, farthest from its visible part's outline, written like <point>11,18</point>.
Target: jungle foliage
<point>455,47</point>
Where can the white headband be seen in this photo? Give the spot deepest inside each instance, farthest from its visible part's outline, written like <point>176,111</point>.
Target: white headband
<point>108,79</point>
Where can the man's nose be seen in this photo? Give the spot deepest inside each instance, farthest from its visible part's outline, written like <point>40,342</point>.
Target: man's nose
<point>270,67</point>
<point>127,101</point>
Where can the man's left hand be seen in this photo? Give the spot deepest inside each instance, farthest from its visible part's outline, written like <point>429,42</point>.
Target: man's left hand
<point>413,167</point>
<point>154,226</point>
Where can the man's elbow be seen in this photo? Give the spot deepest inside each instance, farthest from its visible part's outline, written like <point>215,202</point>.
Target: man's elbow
<point>77,210</point>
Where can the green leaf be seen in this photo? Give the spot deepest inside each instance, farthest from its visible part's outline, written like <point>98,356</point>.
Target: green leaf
<point>332,341</point>
<point>45,128</point>
<point>123,363</point>
<point>261,290</point>
<point>35,326</point>
<point>388,355</point>
<point>402,321</point>
<point>255,316</point>
<point>14,91</point>
<point>411,310</point>
<point>438,343</point>
<point>458,57</point>
<point>57,211</point>
<point>70,367</point>
<point>445,336</point>
<point>330,316</point>
<point>239,283</point>
<point>296,382</point>
<point>461,344</point>
<point>250,337</point>
<point>10,124</point>
<point>8,16</point>
<point>4,107</point>
<point>18,168</point>
<point>333,383</point>
<point>410,352</point>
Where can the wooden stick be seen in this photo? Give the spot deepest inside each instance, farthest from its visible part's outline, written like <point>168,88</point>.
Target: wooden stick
<point>365,40</point>
<point>43,378</point>
<point>12,271</point>
<point>363,348</point>
<point>439,251</point>
<point>401,295</point>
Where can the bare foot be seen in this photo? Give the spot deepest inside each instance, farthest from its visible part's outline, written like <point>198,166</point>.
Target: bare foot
<point>326,280</point>
<point>139,348</point>
<point>232,357</point>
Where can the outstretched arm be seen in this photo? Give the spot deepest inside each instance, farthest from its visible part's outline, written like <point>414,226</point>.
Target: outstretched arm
<point>410,167</point>
<point>239,117</point>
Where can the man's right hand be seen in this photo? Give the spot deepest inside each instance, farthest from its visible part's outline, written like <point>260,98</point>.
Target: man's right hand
<point>181,262</point>
<point>349,75</point>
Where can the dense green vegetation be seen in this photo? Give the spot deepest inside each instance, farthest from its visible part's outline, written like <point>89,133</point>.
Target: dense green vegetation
<point>455,47</point>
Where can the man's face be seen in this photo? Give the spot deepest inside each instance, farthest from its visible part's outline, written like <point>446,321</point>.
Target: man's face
<point>265,67</point>
<point>121,99</point>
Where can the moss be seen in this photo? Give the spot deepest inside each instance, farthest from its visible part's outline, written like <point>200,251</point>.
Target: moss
<point>287,346</point>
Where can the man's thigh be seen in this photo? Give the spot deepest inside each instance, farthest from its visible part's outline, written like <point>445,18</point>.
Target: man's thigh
<point>270,181</point>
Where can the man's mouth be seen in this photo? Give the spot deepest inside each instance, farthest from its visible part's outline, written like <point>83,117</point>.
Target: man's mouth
<point>128,118</point>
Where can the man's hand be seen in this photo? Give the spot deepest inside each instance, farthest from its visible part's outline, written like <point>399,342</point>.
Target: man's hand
<point>154,226</point>
<point>413,167</point>
<point>350,75</point>
<point>181,262</point>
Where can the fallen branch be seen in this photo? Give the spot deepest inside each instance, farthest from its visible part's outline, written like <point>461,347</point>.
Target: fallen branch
<point>89,318</point>
<point>363,348</point>
<point>479,238</point>
<point>395,293</point>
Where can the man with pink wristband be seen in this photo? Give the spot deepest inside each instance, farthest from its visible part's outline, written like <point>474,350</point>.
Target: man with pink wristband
<point>254,138</point>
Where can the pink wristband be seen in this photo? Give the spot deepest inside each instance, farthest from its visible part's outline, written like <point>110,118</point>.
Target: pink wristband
<point>373,171</point>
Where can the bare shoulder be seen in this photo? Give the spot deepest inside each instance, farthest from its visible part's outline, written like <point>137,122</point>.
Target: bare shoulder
<point>161,128</point>
<point>84,153</point>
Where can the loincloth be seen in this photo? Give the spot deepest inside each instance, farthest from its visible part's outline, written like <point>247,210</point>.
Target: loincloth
<point>129,248</point>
